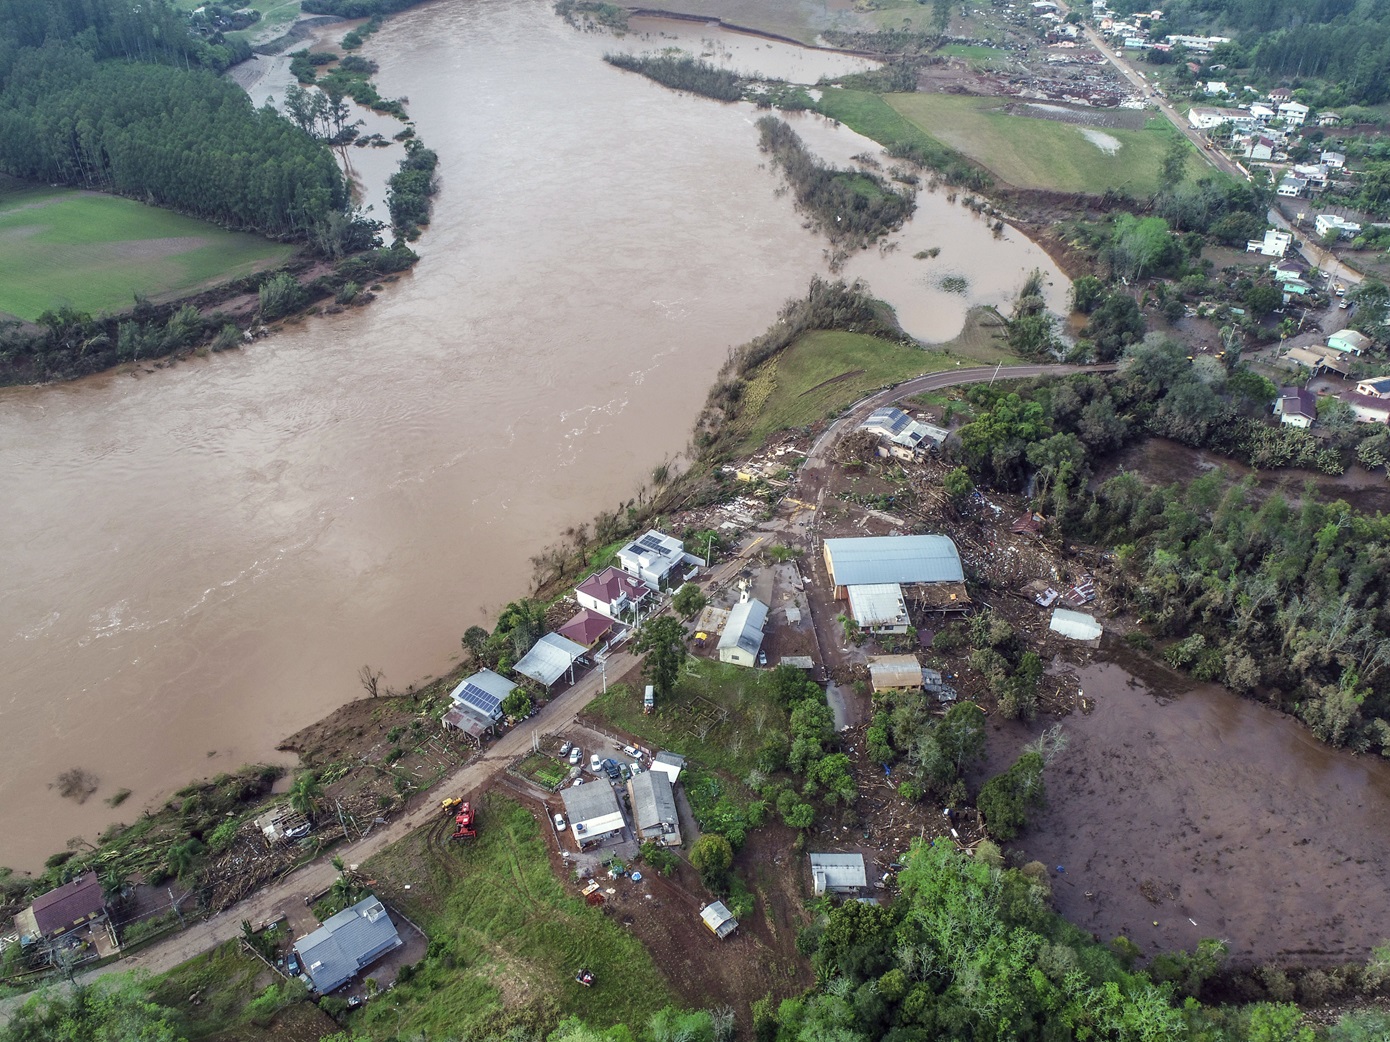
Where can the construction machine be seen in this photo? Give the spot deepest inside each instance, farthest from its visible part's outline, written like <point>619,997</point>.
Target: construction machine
<point>463,822</point>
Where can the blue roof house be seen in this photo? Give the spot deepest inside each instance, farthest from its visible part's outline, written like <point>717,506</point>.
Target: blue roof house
<point>346,944</point>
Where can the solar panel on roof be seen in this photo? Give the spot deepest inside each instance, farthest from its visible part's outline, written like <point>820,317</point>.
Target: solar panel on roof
<point>651,542</point>
<point>480,698</point>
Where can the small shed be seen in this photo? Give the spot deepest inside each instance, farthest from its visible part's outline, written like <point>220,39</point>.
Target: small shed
<point>895,673</point>
<point>1076,625</point>
<point>838,873</point>
<point>718,919</point>
<point>593,812</point>
<point>346,944</point>
<point>671,764</point>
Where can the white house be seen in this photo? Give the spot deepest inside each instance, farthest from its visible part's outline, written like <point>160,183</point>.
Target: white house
<point>742,638</point>
<point>1326,222</point>
<point>1379,388</point>
<point>1291,187</point>
<point>1274,244</point>
<point>879,607</point>
<point>1261,113</point>
<point>1367,408</point>
<point>654,556</point>
<point>1296,407</point>
<point>1201,44</point>
<point>1329,119</point>
<point>1293,113</point>
<point>906,438</point>
<point>1259,148</point>
<point>613,593</point>
<point>1206,118</point>
<point>1333,160</point>
<point>838,874</point>
<point>1217,87</point>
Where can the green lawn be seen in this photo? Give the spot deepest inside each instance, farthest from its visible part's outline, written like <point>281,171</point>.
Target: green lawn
<point>826,371</point>
<point>506,936</point>
<point>95,252</point>
<point>1041,153</point>
<point>972,51</point>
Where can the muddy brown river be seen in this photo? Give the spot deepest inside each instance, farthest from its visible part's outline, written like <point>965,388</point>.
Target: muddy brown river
<point>198,560</point>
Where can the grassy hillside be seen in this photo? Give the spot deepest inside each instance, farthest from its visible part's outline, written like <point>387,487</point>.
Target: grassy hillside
<point>95,252</point>
<point>1042,153</point>
<point>825,371</point>
<point>506,936</point>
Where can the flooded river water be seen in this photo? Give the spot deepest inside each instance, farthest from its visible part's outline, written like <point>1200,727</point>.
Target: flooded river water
<point>198,560</point>
<point>1182,812</point>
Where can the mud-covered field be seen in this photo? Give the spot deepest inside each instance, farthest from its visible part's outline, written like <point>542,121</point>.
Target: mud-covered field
<point>1178,814</point>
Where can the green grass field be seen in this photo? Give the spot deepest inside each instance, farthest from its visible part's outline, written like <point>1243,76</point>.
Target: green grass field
<point>1042,153</point>
<point>825,371</point>
<point>506,935</point>
<point>60,246</point>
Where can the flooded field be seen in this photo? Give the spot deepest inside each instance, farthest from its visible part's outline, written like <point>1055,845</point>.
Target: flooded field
<point>1183,812</point>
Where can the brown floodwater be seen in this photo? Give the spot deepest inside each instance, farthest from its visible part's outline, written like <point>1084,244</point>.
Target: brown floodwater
<point>1182,812</point>
<point>198,560</point>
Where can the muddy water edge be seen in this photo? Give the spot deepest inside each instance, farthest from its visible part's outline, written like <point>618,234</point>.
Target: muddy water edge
<point>1179,811</point>
<point>200,559</point>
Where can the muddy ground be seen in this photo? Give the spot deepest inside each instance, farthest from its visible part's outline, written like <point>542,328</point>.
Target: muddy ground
<point>1180,812</point>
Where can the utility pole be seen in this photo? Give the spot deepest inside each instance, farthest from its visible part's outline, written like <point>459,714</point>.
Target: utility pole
<point>996,372</point>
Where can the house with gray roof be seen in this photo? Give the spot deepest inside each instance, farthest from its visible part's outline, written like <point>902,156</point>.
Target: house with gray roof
<point>654,808</point>
<point>838,873</point>
<point>900,435</point>
<point>347,944</point>
<point>870,560</point>
<point>653,557</point>
<point>669,763</point>
<point>477,702</point>
<point>743,633</point>
<point>718,919</point>
<point>593,812</point>
<point>879,607</point>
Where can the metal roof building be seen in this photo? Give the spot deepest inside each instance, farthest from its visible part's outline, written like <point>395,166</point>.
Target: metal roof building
<point>654,808</point>
<point>879,607</point>
<point>346,944</point>
<point>895,672</point>
<point>593,811</point>
<point>869,560</point>
<point>550,658</point>
<point>838,873</point>
<point>483,693</point>
<point>743,633</point>
<point>671,764</point>
<point>718,919</point>
<point>902,430</point>
<point>1076,625</point>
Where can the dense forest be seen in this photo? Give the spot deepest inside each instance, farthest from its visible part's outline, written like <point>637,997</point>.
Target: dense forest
<point>118,96</point>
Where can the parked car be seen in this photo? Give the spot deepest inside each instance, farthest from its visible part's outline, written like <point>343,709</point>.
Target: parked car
<point>565,747</point>
<point>576,755</point>
<point>559,823</point>
<point>762,657</point>
<point>635,767</point>
<point>610,767</point>
<point>595,763</point>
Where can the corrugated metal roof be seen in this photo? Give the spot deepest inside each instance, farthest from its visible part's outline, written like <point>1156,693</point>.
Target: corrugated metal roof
<point>670,764</point>
<point>745,626</point>
<point>1075,624</point>
<point>587,802</point>
<point>74,901</point>
<point>653,801</point>
<point>549,658</point>
<point>719,919</point>
<point>838,872</point>
<point>483,692</point>
<point>894,559</point>
<point>348,942</point>
<point>895,671</point>
<point>878,604</point>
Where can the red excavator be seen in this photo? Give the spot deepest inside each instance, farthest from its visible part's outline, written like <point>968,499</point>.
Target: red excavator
<point>463,820</point>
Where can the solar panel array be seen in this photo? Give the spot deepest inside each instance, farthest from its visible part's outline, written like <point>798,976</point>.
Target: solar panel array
<point>651,542</point>
<point>484,700</point>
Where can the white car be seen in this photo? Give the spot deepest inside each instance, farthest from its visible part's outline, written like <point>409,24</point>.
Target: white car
<point>635,767</point>
<point>565,748</point>
<point>576,755</point>
<point>595,763</point>
<point>559,823</point>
